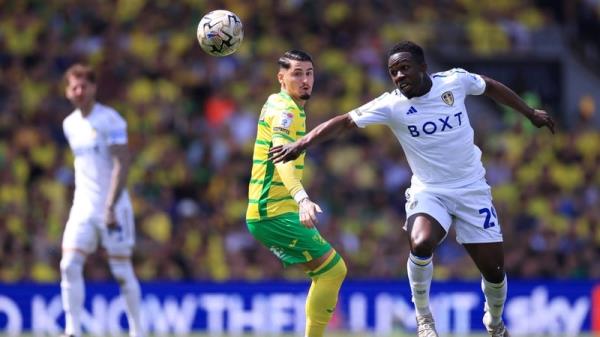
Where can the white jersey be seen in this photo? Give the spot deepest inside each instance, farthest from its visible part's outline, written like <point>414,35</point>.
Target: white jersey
<point>89,138</point>
<point>433,129</point>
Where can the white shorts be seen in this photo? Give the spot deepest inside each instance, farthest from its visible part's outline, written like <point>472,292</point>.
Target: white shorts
<point>469,208</point>
<point>84,232</point>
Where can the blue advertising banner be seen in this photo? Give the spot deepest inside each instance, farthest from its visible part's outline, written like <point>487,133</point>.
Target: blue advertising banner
<point>545,307</point>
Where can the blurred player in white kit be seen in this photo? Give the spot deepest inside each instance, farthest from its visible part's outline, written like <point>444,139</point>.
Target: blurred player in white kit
<point>101,210</point>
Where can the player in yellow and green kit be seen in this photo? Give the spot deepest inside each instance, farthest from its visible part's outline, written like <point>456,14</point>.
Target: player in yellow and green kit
<point>280,215</point>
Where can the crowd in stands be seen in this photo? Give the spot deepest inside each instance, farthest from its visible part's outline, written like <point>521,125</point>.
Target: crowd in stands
<point>192,121</point>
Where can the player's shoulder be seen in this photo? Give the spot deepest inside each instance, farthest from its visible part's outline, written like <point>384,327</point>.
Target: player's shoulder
<point>455,77</point>
<point>280,103</point>
<point>108,116</point>
<point>450,74</point>
<point>389,98</point>
<point>281,99</point>
<point>105,110</point>
<point>71,119</point>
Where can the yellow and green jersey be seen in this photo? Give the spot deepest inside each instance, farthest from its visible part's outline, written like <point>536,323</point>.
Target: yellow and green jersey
<point>281,121</point>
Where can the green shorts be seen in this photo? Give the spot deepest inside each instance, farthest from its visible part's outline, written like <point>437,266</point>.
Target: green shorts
<point>288,239</point>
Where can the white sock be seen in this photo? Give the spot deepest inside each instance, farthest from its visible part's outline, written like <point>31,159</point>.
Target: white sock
<point>123,272</point>
<point>72,290</point>
<point>420,272</point>
<point>495,296</point>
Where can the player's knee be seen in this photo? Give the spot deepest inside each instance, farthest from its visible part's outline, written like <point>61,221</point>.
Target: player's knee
<point>343,269</point>
<point>338,272</point>
<point>122,271</point>
<point>421,245</point>
<point>71,266</point>
<point>493,275</point>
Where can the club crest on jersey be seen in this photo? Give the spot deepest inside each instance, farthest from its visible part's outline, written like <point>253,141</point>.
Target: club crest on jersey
<point>448,98</point>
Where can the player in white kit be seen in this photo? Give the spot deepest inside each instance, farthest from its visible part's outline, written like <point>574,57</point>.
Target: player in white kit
<point>427,115</point>
<point>101,211</point>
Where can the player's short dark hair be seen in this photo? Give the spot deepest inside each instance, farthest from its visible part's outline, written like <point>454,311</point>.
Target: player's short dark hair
<point>79,70</point>
<point>297,55</point>
<point>409,47</point>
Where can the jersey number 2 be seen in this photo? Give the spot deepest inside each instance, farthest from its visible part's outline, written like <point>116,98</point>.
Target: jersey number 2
<point>489,213</point>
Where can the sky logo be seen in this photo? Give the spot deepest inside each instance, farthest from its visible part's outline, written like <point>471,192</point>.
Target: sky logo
<point>411,111</point>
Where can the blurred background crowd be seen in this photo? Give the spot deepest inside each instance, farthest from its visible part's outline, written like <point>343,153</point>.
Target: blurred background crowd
<point>192,121</point>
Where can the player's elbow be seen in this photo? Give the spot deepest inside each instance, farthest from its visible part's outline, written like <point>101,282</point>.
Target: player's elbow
<point>122,159</point>
<point>348,122</point>
<point>121,164</point>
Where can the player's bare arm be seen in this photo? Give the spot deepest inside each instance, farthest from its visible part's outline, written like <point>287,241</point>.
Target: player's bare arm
<point>504,95</point>
<point>121,160</point>
<point>324,131</point>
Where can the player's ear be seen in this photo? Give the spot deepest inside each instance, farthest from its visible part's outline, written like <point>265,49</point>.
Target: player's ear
<point>280,77</point>
<point>66,86</point>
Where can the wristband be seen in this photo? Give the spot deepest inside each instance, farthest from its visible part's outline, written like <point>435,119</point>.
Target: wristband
<point>300,195</point>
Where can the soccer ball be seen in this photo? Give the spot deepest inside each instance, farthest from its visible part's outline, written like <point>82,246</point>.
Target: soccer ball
<point>220,32</point>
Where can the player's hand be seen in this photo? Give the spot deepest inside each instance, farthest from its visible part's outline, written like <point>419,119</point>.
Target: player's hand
<point>110,219</point>
<point>541,118</point>
<point>308,212</point>
<point>285,153</point>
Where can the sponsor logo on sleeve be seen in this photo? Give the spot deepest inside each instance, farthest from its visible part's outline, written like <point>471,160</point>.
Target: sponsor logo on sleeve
<point>286,123</point>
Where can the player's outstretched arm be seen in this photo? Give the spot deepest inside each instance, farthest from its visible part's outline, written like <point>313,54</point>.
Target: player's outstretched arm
<point>504,95</point>
<point>324,131</point>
